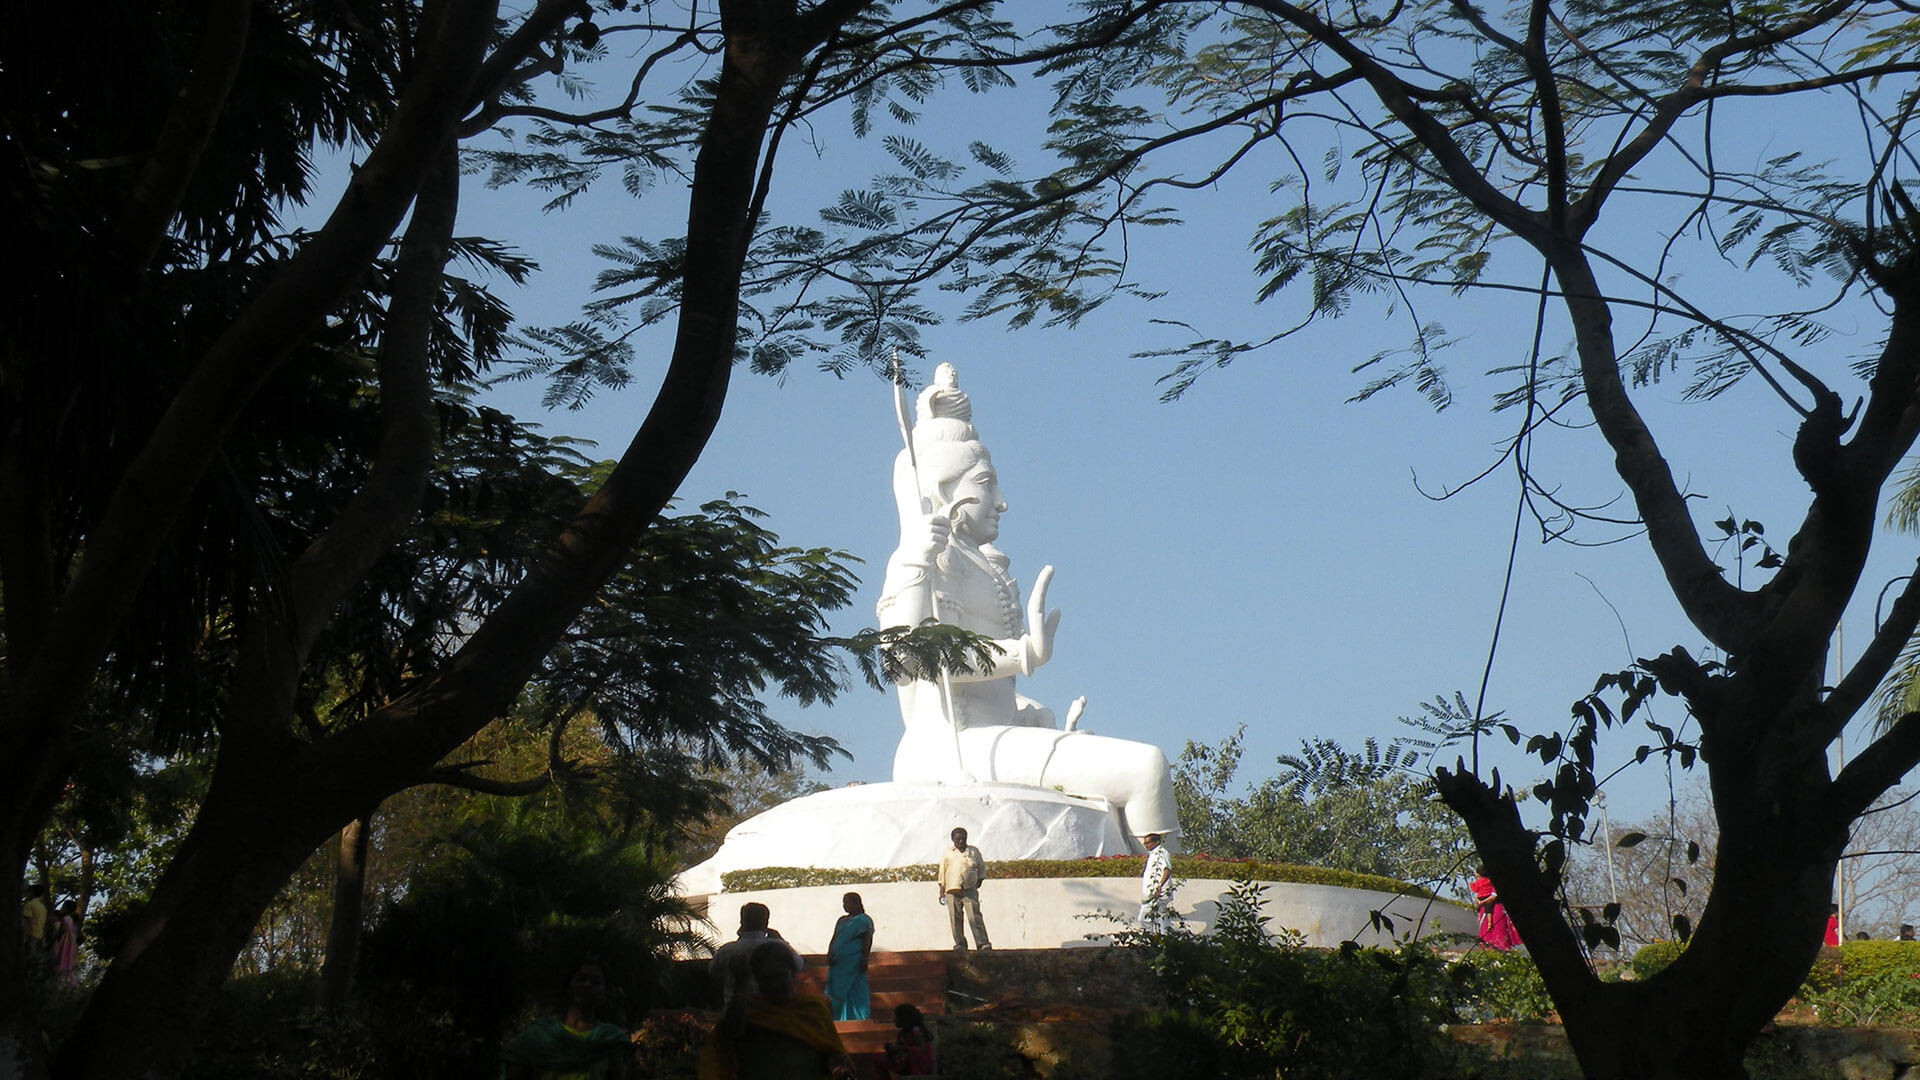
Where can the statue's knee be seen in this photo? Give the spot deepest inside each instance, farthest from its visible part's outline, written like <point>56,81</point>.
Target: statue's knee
<point>1149,761</point>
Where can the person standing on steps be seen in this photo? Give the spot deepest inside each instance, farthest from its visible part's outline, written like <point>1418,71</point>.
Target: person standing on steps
<point>962,869</point>
<point>847,958</point>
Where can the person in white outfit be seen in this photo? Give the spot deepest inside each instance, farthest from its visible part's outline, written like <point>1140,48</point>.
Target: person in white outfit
<point>1156,886</point>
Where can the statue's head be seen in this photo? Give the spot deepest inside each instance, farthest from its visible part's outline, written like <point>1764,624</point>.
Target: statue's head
<point>953,462</point>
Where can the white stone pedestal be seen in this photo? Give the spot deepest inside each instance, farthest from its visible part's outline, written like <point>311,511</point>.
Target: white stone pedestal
<point>877,826</point>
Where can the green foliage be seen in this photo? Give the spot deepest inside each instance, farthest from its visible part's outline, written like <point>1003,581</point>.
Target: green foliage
<point>266,1027</point>
<point>515,899</point>
<point>800,877</point>
<point>1829,971</point>
<point>1500,986</point>
<point>1653,957</point>
<point>1866,984</point>
<point>1869,959</point>
<point>902,654</point>
<point>1032,245</point>
<point>711,616</point>
<point>977,1051</point>
<point>1165,1044</point>
<point>1184,867</point>
<point>1273,1008</point>
<point>1363,812</point>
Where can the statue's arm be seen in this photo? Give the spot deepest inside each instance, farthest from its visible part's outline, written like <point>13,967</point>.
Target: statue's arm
<point>907,599</point>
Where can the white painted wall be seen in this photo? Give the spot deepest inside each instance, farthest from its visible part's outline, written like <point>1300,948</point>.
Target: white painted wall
<point>1062,913</point>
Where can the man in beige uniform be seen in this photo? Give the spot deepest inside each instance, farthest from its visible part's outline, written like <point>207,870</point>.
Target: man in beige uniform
<point>961,870</point>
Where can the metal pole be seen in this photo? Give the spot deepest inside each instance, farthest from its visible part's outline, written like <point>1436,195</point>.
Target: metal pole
<point>1840,748</point>
<point>1606,830</point>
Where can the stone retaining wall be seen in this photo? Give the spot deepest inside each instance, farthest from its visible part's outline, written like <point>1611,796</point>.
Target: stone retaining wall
<point>1072,913</point>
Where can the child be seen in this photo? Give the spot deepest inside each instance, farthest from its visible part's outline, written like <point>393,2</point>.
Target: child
<point>913,1054</point>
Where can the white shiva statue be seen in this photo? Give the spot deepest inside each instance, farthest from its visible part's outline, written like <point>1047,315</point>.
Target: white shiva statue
<point>975,754</point>
<point>976,727</point>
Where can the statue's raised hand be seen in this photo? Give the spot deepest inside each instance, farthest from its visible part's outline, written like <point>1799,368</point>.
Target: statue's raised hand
<point>1041,623</point>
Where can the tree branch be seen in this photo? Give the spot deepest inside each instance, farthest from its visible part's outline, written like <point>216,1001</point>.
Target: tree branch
<point>1586,209</point>
<point>1402,101</point>
<point>379,512</point>
<point>1891,419</point>
<point>457,776</point>
<point>1713,604</point>
<point>497,72</point>
<point>1506,847</point>
<point>480,681</point>
<point>1880,766</point>
<point>162,476</point>
<point>1877,659</point>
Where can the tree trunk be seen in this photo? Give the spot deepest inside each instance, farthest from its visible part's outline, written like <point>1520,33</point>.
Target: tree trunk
<point>274,801</point>
<point>253,832</point>
<point>1696,1019</point>
<point>349,902</point>
<point>21,1056</point>
<point>1781,835</point>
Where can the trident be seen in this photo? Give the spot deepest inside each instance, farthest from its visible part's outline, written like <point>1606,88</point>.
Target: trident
<point>898,377</point>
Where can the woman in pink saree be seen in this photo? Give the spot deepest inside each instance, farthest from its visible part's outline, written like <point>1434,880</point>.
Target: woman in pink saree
<point>1496,929</point>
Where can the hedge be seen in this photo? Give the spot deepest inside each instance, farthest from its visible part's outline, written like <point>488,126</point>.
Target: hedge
<point>1184,866</point>
<point>1870,959</point>
<point>1853,961</point>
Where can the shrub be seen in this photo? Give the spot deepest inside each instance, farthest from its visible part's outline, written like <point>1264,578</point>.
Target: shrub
<point>1500,986</point>
<point>1653,957</point>
<point>1864,983</point>
<point>1864,959</point>
<point>266,1027</point>
<point>1272,1008</point>
<point>1164,1044</point>
<point>487,935</point>
<point>978,1051</point>
<point>1826,974</point>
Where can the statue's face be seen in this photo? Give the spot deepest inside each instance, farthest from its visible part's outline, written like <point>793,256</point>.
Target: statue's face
<point>979,520</point>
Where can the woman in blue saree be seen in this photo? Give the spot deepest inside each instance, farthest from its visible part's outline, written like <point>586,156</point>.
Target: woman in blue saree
<point>847,958</point>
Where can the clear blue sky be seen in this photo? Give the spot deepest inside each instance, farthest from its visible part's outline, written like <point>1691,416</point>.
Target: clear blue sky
<point>1256,554</point>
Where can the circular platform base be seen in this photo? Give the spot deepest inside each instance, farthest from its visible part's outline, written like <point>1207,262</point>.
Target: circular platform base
<point>878,826</point>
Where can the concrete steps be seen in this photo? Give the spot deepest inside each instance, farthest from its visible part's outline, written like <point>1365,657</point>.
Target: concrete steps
<point>917,978</point>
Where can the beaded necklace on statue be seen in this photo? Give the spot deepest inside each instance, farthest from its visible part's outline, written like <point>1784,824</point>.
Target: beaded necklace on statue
<point>989,560</point>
